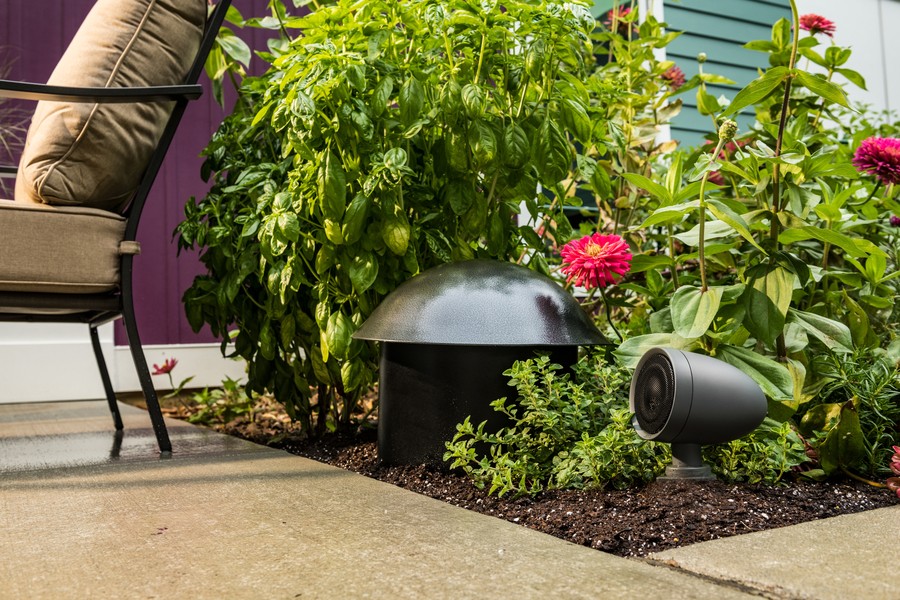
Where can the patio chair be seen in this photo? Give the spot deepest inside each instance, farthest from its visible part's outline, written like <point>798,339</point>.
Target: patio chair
<point>100,131</point>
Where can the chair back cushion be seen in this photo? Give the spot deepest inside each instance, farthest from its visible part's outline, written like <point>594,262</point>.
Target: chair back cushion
<point>93,155</point>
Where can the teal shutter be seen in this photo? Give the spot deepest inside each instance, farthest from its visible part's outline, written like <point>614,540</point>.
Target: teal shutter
<point>719,28</point>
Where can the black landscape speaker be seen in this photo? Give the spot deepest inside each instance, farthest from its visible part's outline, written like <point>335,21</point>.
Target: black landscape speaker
<point>690,400</point>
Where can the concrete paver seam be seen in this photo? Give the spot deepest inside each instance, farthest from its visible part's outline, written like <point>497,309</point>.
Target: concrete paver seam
<point>769,593</point>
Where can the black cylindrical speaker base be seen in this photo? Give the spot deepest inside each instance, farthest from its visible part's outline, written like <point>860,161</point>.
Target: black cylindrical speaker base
<point>426,389</point>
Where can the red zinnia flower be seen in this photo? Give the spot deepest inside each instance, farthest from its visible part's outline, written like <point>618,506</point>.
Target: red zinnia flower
<point>675,76</point>
<point>817,24</point>
<point>593,260</point>
<point>166,367</point>
<point>615,16</point>
<point>879,157</point>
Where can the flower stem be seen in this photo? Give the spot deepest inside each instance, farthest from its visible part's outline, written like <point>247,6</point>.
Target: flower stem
<point>671,237</point>
<point>853,475</point>
<point>609,316</point>
<point>780,345</point>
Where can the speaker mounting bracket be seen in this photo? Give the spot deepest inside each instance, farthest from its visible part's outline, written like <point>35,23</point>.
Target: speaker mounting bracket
<point>687,463</point>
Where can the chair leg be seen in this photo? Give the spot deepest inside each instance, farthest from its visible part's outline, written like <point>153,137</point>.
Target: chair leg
<point>140,363</point>
<point>104,376</point>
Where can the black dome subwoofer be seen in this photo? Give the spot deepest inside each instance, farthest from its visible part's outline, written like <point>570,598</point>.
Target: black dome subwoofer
<point>690,400</point>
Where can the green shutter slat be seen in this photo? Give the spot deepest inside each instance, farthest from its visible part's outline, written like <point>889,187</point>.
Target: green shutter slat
<point>718,28</point>
<point>752,11</point>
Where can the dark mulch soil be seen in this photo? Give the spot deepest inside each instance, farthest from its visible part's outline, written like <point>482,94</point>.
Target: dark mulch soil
<point>635,522</point>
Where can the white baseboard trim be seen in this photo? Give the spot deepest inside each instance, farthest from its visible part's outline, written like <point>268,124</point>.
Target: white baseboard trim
<point>41,364</point>
<point>203,362</point>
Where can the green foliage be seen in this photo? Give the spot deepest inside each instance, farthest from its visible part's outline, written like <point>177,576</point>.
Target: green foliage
<point>567,430</point>
<point>221,405</point>
<point>388,137</point>
<point>765,455</point>
<point>857,421</point>
<point>788,256</point>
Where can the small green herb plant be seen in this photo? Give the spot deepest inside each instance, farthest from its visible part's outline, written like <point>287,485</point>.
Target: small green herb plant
<point>568,430</point>
<point>221,405</point>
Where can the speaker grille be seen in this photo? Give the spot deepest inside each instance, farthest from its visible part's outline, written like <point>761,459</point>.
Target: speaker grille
<point>654,393</point>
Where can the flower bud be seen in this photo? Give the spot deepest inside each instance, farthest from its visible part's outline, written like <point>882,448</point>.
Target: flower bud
<point>727,130</point>
<point>893,484</point>
<point>895,221</point>
<point>701,58</point>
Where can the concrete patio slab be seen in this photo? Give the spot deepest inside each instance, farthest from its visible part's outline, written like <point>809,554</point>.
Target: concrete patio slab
<point>83,515</point>
<point>838,558</point>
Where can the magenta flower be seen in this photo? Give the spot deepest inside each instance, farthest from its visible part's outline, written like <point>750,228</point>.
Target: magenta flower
<point>895,461</point>
<point>594,260</point>
<point>817,24</point>
<point>716,178</point>
<point>879,157</point>
<point>895,221</point>
<point>166,367</point>
<point>674,76</point>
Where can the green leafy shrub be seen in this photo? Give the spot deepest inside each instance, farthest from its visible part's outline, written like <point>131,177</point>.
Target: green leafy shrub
<point>388,137</point>
<point>568,430</point>
<point>765,455</point>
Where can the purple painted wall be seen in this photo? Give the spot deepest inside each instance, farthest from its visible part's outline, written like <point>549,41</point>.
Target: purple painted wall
<point>36,33</point>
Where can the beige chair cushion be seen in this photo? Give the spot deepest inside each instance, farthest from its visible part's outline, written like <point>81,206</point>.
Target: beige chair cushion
<point>65,249</point>
<point>93,155</point>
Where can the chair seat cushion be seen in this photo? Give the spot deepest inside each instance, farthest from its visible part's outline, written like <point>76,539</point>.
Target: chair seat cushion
<point>94,154</point>
<point>65,249</point>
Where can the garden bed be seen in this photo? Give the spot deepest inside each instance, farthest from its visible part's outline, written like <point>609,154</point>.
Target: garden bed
<point>633,522</point>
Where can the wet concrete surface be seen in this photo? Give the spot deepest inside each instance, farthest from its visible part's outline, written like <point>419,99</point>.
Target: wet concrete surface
<point>83,516</point>
<point>77,434</point>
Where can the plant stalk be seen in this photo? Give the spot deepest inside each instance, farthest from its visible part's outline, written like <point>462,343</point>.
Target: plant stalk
<point>780,346</point>
<point>702,249</point>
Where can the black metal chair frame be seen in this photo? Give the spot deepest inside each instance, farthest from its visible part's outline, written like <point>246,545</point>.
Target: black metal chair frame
<point>98,309</point>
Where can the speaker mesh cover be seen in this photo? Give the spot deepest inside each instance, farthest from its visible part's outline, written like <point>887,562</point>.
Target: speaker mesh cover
<point>654,393</point>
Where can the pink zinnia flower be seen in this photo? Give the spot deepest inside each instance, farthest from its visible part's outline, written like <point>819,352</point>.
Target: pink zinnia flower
<point>674,76</point>
<point>816,24</point>
<point>879,157</point>
<point>594,260</point>
<point>166,367</point>
<point>716,178</point>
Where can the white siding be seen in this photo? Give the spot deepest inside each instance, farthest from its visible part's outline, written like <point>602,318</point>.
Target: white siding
<point>870,28</point>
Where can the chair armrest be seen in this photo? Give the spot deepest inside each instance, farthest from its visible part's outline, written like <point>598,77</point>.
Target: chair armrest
<point>23,90</point>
